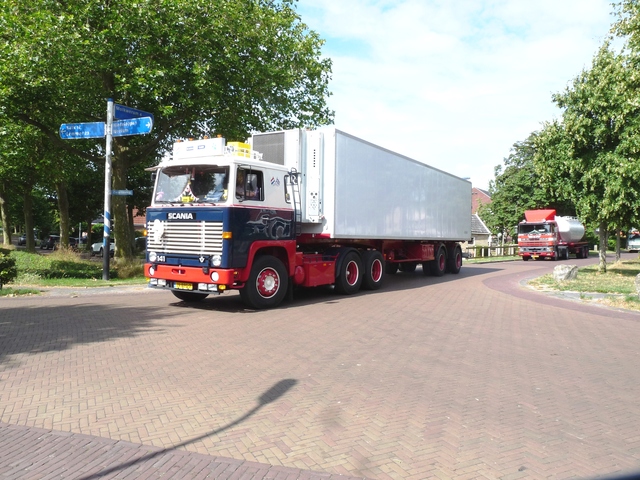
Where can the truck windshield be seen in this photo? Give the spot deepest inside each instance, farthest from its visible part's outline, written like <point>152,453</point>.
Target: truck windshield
<point>534,228</point>
<point>192,184</point>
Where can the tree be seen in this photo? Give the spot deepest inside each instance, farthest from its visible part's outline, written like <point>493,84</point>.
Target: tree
<point>517,187</point>
<point>592,156</point>
<point>21,149</point>
<point>200,66</point>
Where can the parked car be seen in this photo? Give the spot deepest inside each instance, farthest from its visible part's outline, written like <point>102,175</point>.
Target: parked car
<point>22,240</point>
<point>50,242</point>
<point>141,244</point>
<point>98,249</point>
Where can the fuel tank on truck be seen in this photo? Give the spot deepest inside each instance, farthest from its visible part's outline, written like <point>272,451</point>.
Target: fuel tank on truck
<point>570,229</point>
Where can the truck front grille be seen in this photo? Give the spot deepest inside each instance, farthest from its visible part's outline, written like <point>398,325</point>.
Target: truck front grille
<point>185,237</point>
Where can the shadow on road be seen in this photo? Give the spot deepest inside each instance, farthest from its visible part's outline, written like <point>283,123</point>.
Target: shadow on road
<point>269,396</point>
<point>38,329</point>
<point>231,303</point>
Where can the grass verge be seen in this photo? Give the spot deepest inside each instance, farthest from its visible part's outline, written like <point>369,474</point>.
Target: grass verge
<point>68,269</point>
<point>617,284</point>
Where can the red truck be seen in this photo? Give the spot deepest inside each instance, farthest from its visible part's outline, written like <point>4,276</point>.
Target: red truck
<point>544,235</point>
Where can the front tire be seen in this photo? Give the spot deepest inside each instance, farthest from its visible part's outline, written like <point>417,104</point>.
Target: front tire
<point>267,284</point>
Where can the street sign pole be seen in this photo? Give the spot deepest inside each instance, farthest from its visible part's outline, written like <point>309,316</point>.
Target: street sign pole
<point>107,193</point>
<point>132,122</point>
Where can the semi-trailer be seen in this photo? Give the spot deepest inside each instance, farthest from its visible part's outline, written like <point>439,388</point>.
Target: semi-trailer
<point>298,208</point>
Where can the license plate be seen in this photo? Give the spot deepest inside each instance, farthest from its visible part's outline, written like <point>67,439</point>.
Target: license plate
<point>183,286</point>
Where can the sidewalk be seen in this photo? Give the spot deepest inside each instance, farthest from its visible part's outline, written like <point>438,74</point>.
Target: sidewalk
<point>34,453</point>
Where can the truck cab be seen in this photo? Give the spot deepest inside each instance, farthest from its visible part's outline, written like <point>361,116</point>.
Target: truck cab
<point>214,206</point>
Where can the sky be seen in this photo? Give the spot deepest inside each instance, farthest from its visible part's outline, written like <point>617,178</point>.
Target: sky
<point>453,83</point>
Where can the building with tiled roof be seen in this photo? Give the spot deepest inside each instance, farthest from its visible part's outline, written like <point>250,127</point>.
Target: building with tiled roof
<point>479,197</point>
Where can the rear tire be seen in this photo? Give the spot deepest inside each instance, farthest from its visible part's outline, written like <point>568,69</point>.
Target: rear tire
<point>349,277</point>
<point>373,270</point>
<point>439,264</point>
<point>190,297</point>
<point>454,262</point>
<point>267,284</point>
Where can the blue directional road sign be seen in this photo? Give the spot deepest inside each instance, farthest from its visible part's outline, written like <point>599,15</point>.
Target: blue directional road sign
<point>122,112</point>
<point>122,193</point>
<point>132,126</point>
<point>69,131</point>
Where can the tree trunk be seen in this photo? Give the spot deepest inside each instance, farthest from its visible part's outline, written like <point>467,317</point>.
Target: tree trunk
<point>63,209</point>
<point>121,227</point>
<point>4,216</point>
<point>602,236</point>
<point>27,209</point>
<point>617,246</point>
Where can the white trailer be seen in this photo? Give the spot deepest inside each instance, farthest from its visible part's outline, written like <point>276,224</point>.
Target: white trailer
<point>353,189</point>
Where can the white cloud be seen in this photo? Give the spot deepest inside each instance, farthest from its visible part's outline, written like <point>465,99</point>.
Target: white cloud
<point>453,83</point>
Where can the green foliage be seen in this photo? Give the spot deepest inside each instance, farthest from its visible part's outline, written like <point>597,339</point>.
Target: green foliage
<point>600,140</point>
<point>57,265</point>
<point>518,187</point>
<point>8,270</point>
<point>129,268</point>
<point>201,67</point>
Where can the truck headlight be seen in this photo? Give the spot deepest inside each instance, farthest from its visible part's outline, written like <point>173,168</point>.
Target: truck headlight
<point>216,260</point>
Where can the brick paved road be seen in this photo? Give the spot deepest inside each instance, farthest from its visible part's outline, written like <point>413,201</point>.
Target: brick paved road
<point>466,376</point>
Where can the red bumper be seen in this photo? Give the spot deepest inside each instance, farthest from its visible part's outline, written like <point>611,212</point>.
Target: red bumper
<point>226,276</point>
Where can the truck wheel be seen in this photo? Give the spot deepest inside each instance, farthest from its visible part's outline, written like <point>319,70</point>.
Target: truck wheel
<point>454,262</point>
<point>408,267</point>
<point>267,284</point>
<point>189,296</point>
<point>373,270</point>
<point>438,266</point>
<point>525,258</point>
<point>349,278</point>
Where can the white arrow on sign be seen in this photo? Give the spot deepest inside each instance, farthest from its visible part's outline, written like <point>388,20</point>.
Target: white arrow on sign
<point>132,126</point>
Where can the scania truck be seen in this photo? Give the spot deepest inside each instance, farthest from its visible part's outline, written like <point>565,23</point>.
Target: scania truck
<point>298,208</point>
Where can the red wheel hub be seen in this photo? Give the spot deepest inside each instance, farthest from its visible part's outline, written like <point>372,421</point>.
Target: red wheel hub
<point>268,282</point>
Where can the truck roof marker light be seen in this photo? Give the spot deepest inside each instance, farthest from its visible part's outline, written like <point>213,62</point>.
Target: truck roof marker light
<point>227,235</point>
